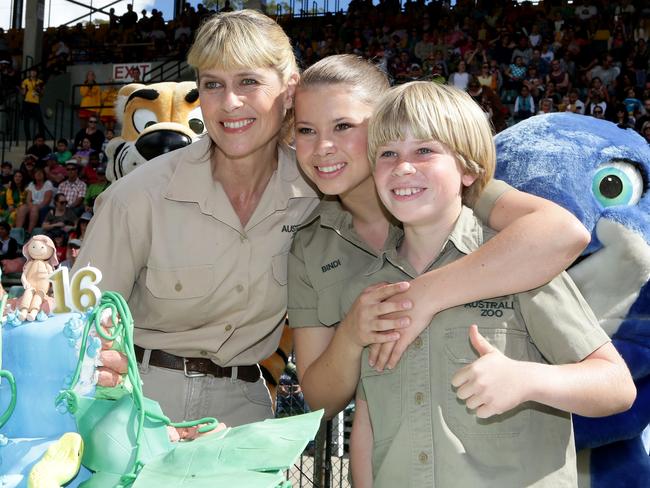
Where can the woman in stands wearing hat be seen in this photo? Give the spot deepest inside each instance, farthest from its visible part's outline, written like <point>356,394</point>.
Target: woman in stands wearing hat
<point>197,240</point>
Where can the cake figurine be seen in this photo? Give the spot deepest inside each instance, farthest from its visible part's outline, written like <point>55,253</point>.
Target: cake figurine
<point>41,261</point>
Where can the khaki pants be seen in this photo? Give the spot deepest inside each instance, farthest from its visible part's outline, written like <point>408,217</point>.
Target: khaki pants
<point>232,401</point>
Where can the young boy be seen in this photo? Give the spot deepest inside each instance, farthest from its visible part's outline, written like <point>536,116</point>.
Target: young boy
<point>468,406</point>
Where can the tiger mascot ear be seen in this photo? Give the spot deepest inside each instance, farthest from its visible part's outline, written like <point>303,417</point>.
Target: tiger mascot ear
<point>155,119</point>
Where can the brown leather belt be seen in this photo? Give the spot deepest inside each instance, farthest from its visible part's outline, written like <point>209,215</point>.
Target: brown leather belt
<point>197,366</point>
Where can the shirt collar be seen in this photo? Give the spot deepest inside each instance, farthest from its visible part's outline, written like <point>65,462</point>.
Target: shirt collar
<point>467,235</point>
<point>192,179</point>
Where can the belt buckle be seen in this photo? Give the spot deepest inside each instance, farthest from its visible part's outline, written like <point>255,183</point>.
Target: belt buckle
<point>191,374</point>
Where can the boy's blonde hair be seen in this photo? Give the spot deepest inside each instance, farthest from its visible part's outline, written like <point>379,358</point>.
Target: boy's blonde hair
<point>365,78</point>
<point>443,113</point>
<point>242,39</point>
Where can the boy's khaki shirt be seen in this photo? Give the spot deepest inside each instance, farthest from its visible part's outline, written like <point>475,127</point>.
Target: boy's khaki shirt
<point>424,435</point>
<point>327,253</point>
<point>197,283</point>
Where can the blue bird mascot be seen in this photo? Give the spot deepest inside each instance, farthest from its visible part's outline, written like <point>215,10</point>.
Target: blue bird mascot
<point>601,174</point>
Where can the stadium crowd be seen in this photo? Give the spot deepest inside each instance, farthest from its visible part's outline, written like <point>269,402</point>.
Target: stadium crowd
<point>515,59</point>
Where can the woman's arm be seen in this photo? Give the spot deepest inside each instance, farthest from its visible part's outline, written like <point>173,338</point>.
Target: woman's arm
<point>328,359</point>
<point>535,235</point>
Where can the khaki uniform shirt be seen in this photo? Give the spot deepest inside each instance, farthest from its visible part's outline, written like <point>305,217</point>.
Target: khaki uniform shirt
<point>327,253</point>
<point>423,434</point>
<point>198,284</point>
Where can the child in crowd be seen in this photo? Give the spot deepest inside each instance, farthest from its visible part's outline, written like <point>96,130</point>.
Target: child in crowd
<point>468,405</point>
<point>62,153</point>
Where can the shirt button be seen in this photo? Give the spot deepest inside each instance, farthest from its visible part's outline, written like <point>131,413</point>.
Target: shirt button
<point>418,342</point>
<point>419,398</point>
<point>243,238</point>
<point>239,288</point>
<point>423,457</point>
<point>178,286</point>
<point>204,353</point>
<point>228,327</point>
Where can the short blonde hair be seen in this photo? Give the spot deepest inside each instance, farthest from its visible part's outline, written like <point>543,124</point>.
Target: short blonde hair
<point>443,113</point>
<point>245,39</point>
<point>242,39</point>
<point>363,76</point>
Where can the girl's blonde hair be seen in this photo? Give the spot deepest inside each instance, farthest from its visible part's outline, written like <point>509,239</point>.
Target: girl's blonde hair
<point>242,39</point>
<point>367,80</point>
<point>443,113</point>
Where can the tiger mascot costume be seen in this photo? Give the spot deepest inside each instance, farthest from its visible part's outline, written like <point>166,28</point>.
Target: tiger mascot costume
<point>157,119</point>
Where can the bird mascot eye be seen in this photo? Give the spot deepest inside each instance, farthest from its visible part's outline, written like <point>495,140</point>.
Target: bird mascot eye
<point>617,183</point>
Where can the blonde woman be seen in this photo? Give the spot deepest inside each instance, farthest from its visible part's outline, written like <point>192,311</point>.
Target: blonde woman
<point>197,240</point>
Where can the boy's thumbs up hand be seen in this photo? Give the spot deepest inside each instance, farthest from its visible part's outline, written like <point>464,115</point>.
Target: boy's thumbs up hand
<point>479,342</point>
<point>494,383</point>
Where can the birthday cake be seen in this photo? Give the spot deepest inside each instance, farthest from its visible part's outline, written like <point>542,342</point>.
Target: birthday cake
<point>59,428</point>
<point>42,356</point>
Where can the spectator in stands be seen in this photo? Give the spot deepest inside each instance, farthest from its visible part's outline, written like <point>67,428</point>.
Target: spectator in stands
<point>32,91</point>
<point>545,106</point>
<point>595,100</point>
<point>489,102</point>
<point>606,71</point>
<point>515,74</point>
<point>622,118</point>
<point>524,105</point>
<point>27,167</point>
<point>16,195</point>
<point>62,153</point>
<point>129,19</point>
<point>96,189</point>
<point>82,155</point>
<point>107,112</point>
<point>89,171</point>
<point>72,251</point>
<point>73,188</point>
<point>60,217</point>
<point>534,83</point>
<point>551,93</point>
<point>597,85</point>
<point>9,248</point>
<point>94,135</point>
<point>487,78</point>
<point>559,78</point>
<point>575,104</point>
<point>79,232</point>
<point>598,112</point>
<point>54,171</point>
<point>90,99</point>
<point>39,148</point>
<point>39,197</point>
<point>6,174</point>
<point>460,77</point>
<point>633,105</point>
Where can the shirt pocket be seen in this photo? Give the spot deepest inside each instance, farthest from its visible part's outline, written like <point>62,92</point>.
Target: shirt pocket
<point>280,263</point>
<point>478,434</point>
<point>329,304</point>
<point>180,283</point>
<point>383,392</point>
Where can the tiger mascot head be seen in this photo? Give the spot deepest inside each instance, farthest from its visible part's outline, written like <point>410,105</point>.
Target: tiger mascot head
<point>155,119</point>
